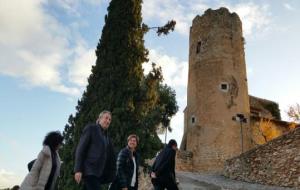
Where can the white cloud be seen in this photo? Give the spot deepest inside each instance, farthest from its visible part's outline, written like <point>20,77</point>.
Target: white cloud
<point>254,17</point>
<point>73,6</point>
<point>288,6</point>
<point>174,71</point>
<point>70,6</point>
<point>17,24</point>
<point>168,10</point>
<point>289,99</point>
<point>175,74</point>
<point>80,70</point>
<point>35,48</point>
<point>9,179</point>
<point>177,129</point>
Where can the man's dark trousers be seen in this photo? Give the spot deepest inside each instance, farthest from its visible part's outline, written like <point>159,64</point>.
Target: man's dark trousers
<point>132,188</point>
<point>92,183</point>
<point>169,185</point>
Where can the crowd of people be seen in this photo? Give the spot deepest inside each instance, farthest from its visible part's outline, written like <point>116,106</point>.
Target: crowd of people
<point>96,163</point>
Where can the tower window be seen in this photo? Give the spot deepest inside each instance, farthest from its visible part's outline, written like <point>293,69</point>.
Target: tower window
<point>224,86</point>
<point>193,119</point>
<point>198,47</point>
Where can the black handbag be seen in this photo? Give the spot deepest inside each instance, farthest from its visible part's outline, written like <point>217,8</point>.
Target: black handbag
<point>30,164</point>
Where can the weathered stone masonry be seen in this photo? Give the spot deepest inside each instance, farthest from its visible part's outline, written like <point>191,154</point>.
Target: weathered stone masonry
<point>274,163</point>
<point>217,90</point>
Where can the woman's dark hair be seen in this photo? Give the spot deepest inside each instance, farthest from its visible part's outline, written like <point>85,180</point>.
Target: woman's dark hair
<point>53,139</point>
<point>16,187</point>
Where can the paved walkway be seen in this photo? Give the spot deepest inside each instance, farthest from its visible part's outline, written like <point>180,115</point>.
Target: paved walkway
<point>197,181</point>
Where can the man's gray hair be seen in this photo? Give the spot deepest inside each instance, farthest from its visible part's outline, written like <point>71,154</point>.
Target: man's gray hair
<point>101,115</point>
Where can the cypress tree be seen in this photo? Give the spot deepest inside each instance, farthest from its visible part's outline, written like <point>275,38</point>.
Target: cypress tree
<point>139,104</point>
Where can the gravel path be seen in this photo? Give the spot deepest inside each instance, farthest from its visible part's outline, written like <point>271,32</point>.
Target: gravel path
<point>203,181</point>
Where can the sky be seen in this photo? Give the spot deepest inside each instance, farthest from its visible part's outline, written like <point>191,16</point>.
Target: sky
<point>47,50</point>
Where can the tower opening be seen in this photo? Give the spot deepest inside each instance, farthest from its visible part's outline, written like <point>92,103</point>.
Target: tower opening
<point>224,86</point>
<point>198,49</point>
<point>193,119</point>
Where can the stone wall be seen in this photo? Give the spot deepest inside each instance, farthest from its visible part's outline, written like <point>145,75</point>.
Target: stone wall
<point>184,161</point>
<point>274,163</point>
<point>144,180</point>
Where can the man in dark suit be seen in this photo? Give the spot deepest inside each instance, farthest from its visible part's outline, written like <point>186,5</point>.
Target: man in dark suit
<point>95,158</point>
<point>163,169</point>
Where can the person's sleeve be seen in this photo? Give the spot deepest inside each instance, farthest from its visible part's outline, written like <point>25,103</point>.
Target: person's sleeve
<point>121,164</point>
<point>173,164</point>
<point>112,165</point>
<point>81,149</point>
<point>113,162</point>
<point>36,168</point>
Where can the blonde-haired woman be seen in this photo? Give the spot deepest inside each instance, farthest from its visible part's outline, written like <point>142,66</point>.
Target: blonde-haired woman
<point>127,166</point>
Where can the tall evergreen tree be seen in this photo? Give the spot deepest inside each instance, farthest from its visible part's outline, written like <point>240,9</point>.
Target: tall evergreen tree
<point>139,104</point>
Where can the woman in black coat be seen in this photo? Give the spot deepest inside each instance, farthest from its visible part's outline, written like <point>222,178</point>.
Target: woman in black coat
<point>127,166</point>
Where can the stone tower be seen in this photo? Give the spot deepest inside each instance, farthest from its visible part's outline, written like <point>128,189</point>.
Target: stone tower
<point>217,91</point>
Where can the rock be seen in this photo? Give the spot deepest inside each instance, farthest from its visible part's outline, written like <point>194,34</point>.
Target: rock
<point>288,141</point>
<point>297,159</point>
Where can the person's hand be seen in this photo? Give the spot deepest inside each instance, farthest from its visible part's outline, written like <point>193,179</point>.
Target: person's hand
<point>125,188</point>
<point>153,175</point>
<point>77,177</point>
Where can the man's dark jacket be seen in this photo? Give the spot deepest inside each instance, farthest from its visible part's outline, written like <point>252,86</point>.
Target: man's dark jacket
<point>95,154</point>
<point>125,169</point>
<point>164,166</point>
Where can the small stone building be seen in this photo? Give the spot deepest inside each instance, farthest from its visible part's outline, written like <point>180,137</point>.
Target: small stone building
<point>221,119</point>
